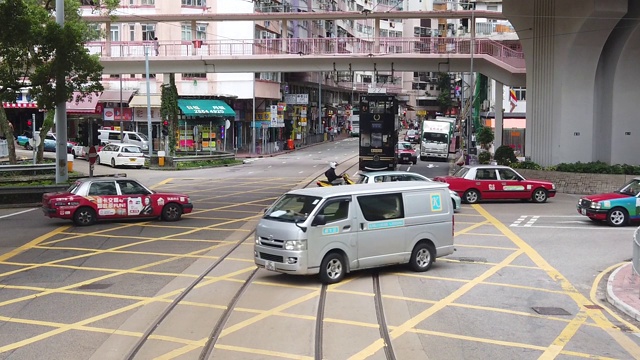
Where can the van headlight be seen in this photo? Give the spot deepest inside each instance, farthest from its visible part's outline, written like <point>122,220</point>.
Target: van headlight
<point>257,239</point>
<point>595,205</point>
<point>296,245</point>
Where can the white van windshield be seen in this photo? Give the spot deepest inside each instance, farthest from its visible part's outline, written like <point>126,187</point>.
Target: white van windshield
<point>291,208</point>
<point>143,136</point>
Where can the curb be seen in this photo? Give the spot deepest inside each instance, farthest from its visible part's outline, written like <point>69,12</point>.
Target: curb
<point>615,301</point>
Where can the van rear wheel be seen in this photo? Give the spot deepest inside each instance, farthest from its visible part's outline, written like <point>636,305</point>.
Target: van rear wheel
<point>422,257</point>
<point>332,268</point>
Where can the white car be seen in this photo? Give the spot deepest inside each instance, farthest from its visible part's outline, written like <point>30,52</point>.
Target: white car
<point>388,176</point>
<point>119,154</point>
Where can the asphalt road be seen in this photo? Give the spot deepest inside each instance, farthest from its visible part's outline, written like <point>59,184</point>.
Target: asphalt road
<point>525,281</point>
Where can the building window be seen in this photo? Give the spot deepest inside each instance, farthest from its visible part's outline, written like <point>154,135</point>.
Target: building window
<point>492,7</point>
<point>132,32</point>
<point>148,31</point>
<point>147,2</point>
<point>201,31</point>
<point>115,33</point>
<point>521,93</point>
<point>202,3</point>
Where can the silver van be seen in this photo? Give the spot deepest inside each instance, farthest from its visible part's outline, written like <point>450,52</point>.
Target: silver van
<point>331,231</point>
<point>130,137</point>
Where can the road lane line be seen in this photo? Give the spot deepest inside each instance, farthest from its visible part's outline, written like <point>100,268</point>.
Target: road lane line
<point>581,300</point>
<point>448,300</point>
<point>17,213</point>
<point>32,243</point>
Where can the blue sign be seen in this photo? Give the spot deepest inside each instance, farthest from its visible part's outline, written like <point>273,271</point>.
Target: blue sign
<point>330,230</point>
<point>436,202</point>
<point>385,224</point>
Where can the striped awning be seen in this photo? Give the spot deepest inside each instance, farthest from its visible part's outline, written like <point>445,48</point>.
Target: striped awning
<point>20,105</point>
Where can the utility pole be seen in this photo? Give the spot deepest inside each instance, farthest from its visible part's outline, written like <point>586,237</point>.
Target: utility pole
<point>62,173</point>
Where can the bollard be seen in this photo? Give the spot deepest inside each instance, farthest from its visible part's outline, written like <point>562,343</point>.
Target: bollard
<point>160,158</point>
<point>70,162</point>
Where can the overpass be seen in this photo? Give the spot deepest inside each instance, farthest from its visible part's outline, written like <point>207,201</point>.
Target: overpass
<point>491,58</point>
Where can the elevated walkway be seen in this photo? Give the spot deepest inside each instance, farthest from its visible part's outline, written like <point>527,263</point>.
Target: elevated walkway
<point>491,58</point>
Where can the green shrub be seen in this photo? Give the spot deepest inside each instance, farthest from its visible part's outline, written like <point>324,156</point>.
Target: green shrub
<point>484,157</point>
<point>526,165</point>
<point>504,155</point>
<point>484,137</point>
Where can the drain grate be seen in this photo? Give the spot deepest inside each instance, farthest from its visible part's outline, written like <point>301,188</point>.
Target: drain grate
<point>96,286</point>
<point>550,311</point>
<point>471,259</point>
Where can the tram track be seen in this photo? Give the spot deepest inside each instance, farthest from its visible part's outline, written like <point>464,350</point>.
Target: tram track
<point>380,316</point>
<point>156,323</point>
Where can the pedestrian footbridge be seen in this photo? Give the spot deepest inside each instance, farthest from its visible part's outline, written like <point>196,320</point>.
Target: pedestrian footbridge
<point>492,58</point>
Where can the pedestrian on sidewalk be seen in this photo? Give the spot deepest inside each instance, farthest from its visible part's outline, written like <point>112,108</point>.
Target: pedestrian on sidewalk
<point>332,133</point>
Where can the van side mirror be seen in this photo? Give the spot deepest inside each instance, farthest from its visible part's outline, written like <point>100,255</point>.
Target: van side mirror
<point>319,220</point>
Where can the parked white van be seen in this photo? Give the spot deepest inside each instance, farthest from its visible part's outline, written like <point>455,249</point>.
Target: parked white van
<point>334,230</point>
<point>130,137</point>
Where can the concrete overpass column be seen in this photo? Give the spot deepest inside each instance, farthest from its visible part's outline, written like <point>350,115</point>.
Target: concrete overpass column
<point>498,109</point>
<point>107,49</point>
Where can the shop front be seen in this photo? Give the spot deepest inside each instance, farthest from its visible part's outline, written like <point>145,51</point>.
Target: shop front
<point>140,117</point>
<point>203,124</point>
<point>80,110</point>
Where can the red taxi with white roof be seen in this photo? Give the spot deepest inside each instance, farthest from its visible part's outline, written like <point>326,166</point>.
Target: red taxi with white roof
<point>496,182</point>
<point>91,199</point>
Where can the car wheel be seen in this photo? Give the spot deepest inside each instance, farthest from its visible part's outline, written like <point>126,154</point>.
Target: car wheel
<point>422,257</point>
<point>539,195</point>
<point>84,216</point>
<point>332,268</point>
<point>471,196</point>
<point>73,152</point>
<point>617,217</point>
<point>171,212</point>
<point>415,161</point>
<point>113,162</point>
<point>422,158</point>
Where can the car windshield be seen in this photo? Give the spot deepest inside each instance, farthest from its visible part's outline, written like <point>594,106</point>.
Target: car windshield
<point>411,133</point>
<point>461,172</point>
<point>404,146</point>
<point>362,179</point>
<point>143,136</point>
<point>292,208</point>
<point>74,187</point>
<point>632,188</point>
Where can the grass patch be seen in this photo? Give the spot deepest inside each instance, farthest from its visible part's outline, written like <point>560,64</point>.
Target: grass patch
<point>206,163</point>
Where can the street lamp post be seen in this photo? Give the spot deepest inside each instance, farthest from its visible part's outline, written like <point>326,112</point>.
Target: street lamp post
<point>472,86</point>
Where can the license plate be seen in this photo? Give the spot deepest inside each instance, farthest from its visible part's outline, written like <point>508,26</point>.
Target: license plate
<point>583,211</point>
<point>132,159</point>
<point>270,265</point>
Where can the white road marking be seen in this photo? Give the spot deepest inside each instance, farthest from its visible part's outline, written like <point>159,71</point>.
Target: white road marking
<point>300,172</point>
<point>16,213</point>
<point>589,228</point>
<point>531,221</point>
<point>517,222</point>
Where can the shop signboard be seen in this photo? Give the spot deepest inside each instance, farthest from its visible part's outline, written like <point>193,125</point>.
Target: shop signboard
<point>296,99</point>
<point>274,115</point>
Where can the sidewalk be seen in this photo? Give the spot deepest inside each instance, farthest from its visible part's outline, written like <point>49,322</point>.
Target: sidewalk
<point>247,154</point>
<point>623,290</point>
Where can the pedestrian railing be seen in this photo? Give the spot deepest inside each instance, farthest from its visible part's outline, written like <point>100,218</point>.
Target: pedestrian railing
<point>635,260</point>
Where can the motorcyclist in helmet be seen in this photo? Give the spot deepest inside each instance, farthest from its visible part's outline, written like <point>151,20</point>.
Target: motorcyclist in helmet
<point>331,172</point>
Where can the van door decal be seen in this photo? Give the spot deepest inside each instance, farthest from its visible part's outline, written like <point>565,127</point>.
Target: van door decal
<point>330,230</point>
<point>436,202</point>
<point>385,224</point>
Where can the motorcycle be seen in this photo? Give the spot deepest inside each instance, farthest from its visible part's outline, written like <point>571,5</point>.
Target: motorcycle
<point>346,180</point>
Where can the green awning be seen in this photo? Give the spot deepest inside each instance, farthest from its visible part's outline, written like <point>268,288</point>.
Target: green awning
<point>205,108</point>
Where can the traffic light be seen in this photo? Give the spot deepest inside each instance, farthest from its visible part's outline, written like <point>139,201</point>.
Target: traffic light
<point>165,128</point>
<point>95,135</point>
<point>83,135</point>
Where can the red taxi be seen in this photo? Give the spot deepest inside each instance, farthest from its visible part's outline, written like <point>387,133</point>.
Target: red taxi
<point>92,199</point>
<point>405,153</point>
<point>496,182</point>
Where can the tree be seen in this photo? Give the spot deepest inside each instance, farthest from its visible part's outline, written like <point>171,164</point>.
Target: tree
<point>485,137</point>
<point>169,110</point>
<point>444,98</point>
<point>35,51</point>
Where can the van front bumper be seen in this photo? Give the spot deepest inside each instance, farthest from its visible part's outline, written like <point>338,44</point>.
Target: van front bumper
<point>283,261</point>
<point>434,155</point>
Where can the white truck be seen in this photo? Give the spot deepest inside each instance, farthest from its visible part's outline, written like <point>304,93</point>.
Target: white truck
<point>435,139</point>
<point>354,122</point>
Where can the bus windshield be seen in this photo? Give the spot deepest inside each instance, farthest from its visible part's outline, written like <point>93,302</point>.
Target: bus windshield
<point>292,208</point>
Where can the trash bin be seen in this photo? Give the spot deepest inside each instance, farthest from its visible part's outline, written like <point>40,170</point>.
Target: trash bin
<point>290,145</point>
<point>70,162</point>
<point>160,158</point>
